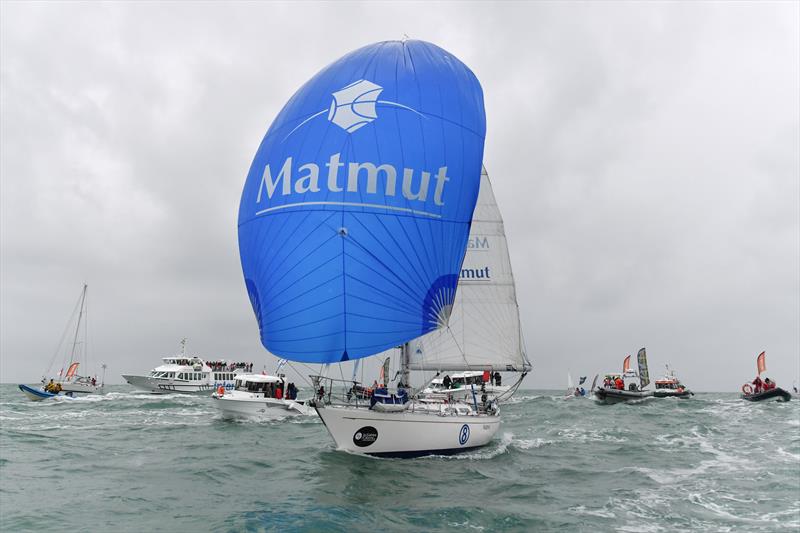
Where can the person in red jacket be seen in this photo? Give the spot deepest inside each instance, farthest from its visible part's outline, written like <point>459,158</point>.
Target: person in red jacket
<point>758,384</point>
<point>619,384</point>
<point>769,384</point>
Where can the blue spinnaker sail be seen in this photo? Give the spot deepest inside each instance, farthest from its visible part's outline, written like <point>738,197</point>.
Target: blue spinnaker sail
<point>355,214</point>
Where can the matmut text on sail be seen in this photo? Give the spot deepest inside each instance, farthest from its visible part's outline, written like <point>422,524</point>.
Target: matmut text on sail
<point>356,176</point>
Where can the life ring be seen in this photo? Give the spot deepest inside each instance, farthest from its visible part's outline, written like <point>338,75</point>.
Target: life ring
<point>221,390</point>
<point>747,389</point>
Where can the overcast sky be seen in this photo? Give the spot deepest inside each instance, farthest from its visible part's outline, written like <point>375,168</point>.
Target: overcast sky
<point>645,156</point>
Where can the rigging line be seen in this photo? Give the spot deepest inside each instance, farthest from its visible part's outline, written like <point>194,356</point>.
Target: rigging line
<point>341,371</point>
<point>512,390</point>
<point>460,349</point>
<point>78,325</point>
<point>64,337</point>
<point>302,376</point>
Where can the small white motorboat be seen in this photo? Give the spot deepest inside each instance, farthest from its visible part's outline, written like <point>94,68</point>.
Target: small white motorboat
<point>260,396</point>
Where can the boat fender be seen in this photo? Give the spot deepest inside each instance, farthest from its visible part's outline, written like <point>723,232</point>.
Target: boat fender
<point>747,389</point>
<point>221,391</point>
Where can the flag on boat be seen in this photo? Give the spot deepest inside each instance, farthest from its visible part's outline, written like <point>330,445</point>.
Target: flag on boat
<point>626,364</point>
<point>354,217</point>
<point>385,372</point>
<point>644,373</point>
<point>761,362</point>
<point>73,368</point>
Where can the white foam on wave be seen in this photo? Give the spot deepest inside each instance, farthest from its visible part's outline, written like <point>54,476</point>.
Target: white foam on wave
<point>725,511</point>
<point>465,524</point>
<point>529,444</point>
<point>519,399</point>
<point>583,435</point>
<point>791,457</point>
<point>582,510</point>
<point>486,452</point>
<point>722,460</point>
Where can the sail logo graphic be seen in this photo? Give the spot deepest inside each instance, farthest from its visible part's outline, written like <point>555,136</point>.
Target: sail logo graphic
<point>365,436</point>
<point>463,435</point>
<point>355,106</point>
<point>475,273</point>
<point>478,243</point>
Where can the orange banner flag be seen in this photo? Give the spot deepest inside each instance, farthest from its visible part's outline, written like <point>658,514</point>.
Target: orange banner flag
<point>626,364</point>
<point>71,371</point>
<point>761,362</point>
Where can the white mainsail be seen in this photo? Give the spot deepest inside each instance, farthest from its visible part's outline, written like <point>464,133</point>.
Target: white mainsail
<point>484,330</point>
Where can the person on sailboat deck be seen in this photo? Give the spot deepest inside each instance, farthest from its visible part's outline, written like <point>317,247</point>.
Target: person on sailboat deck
<point>758,384</point>
<point>497,378</point>
<point>447,382</point>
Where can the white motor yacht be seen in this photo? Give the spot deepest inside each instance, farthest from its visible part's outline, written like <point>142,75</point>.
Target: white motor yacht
<point>185,374</point>
<point>259,395</point>
<point>462,386</point>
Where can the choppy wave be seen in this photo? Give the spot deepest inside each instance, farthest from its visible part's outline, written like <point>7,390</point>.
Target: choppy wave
<point>139,462</point>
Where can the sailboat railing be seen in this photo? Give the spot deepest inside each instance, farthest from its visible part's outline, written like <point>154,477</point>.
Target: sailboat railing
<point>350,392</point>
<point>333,391</point>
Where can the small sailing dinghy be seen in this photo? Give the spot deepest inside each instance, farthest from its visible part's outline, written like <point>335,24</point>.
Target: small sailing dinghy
<point>573,391</point>
<point>70,383</point>
<point>632,383</point>
<point>758,390</point>
<point>353,226</point>
<point>670,387</point>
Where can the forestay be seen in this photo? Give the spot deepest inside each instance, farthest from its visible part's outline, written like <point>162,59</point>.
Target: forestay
<point>484,330</point>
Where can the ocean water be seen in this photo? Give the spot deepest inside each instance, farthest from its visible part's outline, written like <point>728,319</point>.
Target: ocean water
<point>126,461</point>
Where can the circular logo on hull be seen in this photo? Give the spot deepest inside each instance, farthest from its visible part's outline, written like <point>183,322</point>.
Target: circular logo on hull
<point>365,436</point>
<point>463,435</point>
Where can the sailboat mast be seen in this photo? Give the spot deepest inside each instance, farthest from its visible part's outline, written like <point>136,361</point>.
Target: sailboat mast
<point>78,325</point>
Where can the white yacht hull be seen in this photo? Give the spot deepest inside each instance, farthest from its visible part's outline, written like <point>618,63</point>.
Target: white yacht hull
<point>410,433</point>
<point>168,386</point>
<point>81,388</point>
<point>235,404</point>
